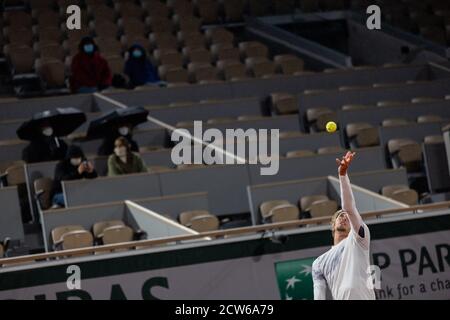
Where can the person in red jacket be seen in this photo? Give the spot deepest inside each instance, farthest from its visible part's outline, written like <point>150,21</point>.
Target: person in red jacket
<point>90,71</point>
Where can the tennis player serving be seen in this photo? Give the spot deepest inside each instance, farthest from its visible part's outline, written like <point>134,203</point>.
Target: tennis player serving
<point>344,268</point>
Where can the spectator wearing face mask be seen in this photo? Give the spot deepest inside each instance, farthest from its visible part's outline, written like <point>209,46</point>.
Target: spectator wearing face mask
<point>45,147</point>
<point>73,167</point>
<point>124,161</point>
<point>124,130</point>
<point>138,67</point>
<point>90,71</point>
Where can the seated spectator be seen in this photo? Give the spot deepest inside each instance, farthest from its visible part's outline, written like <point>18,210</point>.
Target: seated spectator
<point>124,161</point>
<point>45,147</point>
<point>124,130</point>
<point>90,71</point>
<point>139,68</point>
<point>73,167</point>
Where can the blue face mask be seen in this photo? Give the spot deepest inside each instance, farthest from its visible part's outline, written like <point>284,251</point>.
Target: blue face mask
<point>137,53</point>
<point>88,48</point>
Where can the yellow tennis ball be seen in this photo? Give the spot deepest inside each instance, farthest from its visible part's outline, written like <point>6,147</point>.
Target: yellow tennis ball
<point>331,126</point>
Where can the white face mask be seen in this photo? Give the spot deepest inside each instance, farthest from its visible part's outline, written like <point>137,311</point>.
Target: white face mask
<point>75,161</point>
<point>120,151</point>
<point>124,131</point>
<point>47,131</point>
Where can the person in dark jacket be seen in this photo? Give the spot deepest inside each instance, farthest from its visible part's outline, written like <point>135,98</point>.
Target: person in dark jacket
<point>45,147</point>
<point>73,167</point>
<point>139,68</point>
<point>90,71</point>
<point>124,130</point>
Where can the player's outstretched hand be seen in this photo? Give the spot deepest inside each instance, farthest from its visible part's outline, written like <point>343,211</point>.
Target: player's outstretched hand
<point>345,162</point>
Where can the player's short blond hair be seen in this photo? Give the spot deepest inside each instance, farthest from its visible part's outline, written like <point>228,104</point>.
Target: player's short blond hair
<point>333,219</point>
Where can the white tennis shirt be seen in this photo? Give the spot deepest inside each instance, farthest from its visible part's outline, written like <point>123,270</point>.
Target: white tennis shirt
<point>344,269</point>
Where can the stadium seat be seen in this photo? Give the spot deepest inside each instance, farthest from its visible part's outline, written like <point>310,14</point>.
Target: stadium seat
<point>71,237</point>
<point>186,24</point>
<point>260,67</point>
<point>42,189</point>
<point>249,117</point>
<point>191,39</point>
<point>319,117</point>
<point>163,41</point>
<point>393,122</point>
<point>109,46</point>
<point>349,107</point>
<point>401,193</point>
<point>253,49</point>
<point>168,57</point>
<point>390,103</point>
<point>18,19</point>
<point>18,36</point>
<point>102,12</point>
<point>198,55</point>
<point>173,74</point>
<point>199,220</point>
<point>98,230</point>
<point>284,103</point>
<point>219,35</point>
<point>405,152</point>
<point>318,205</point>
<point>49,34</point>
<point>232,70</point>
<point>424,100</point>
<point>116,64</point>
<point>129,9</point>
<point>50,51</point>
<point>433,139</point>
<point>52,72</point>
<point>289,64</point>
<point>266,207</point>
<point>290,134</point>
<point>202,72</point>
<point>48,19</point>
<point>159,24</point>
<point>132,25</point>
<point>181,7</point>
<point>103,28</point>
<point>362,134</point>
<point>21,58</point>
<point>429,118</point>
<point>155,8</point>
<point>15,175</point>
<point>218,120</point>
<point>299,153</point>
<point>225,51</point>
<point>208,10</point>
<point>332,149</point>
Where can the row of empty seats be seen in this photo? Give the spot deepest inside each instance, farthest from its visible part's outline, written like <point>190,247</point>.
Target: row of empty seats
<point>313,206</point>
<point>103,233</point>
<point>316,206</point>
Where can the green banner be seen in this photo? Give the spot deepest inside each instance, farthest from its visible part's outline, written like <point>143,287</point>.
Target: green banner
<point>295,279</point>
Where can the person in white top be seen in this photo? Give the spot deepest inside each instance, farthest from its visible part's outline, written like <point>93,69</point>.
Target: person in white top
<point>344,269</point>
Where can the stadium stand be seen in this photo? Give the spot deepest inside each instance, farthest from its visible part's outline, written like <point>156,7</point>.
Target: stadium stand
<point>220,63</point>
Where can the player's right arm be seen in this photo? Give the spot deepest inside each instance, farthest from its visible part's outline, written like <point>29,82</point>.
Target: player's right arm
<point>319,282</point>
